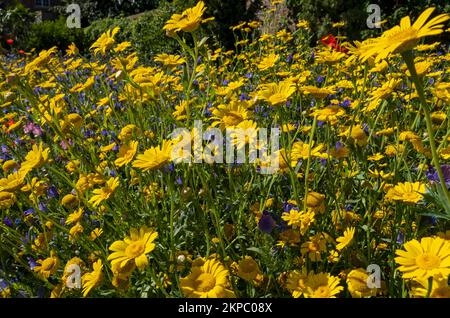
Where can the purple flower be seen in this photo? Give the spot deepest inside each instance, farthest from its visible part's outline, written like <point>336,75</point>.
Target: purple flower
<point>29,211</point>
<point>52,192</point>
<point>346,103</point>
<point>320,79</point>
<point>7,222</point>
<point>400,237</point>
<point>433,176</point>
<point>266,223</point>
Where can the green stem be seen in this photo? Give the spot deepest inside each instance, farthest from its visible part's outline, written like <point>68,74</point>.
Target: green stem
<point>308,162</point>
<point>409,60</point>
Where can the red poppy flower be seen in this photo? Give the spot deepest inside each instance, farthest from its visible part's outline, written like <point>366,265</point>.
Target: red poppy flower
<point>10,122</point>
<point>10,41</point>
<point>331,41</point>
<point>21,52</point>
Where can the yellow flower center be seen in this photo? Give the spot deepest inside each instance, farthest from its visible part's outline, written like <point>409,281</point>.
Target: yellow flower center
<point>322,292</point>
<point>313,247</point>
<point>205,282</point>
<point>48,264</point>
<point>135,249</point>
<point>428,261</point>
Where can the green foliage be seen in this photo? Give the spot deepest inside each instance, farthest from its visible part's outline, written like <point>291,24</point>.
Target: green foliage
<point>100,9</point>
<point>322,13</point>
<point>148,36</point>
<point>54,33</point>
<point>15,22</point>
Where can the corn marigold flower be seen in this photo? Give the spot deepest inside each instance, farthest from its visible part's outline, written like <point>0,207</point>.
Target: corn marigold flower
<point>405,36</point>
<point>321,285</point>
<point>357,284</point>
<point>105,192</point>
<point>92,279</point>
<point>105,41</point>
<point>155,157</point>
<point>277,93</point>
<point>188,21</point>
<point>134,248</point>
<point>248,269</point>
<point>406,192</point>
<point>35,158</point>
<point>295,283</point>
<point>439,287</point>
<point>126,153</point>
<point>346,239</point>
<point>424,259</point>
<point>207,279</point>
<point>7,199</point>
<point>268,62</point>
<point>48,266</point>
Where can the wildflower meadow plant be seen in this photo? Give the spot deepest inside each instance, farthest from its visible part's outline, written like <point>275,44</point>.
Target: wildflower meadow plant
<point>274,169</point>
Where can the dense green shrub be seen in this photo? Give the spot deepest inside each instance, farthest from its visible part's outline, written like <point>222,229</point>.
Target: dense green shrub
<point>15,24</point>
<point>322,13</point>
<point>54,33</point>
<point>147,35</point>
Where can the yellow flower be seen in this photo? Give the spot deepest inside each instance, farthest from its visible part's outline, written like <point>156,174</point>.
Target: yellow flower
<point>314,247</point>
<point>72,50</point>
<point>329,56</point>
<point>299,219</point>
<point>105,41</point>
<point>405,36</point>
<point>345,240</point>
<point>329,114</point>
<point>9,165</point>
<point>95,234</point>
<point>295,283</point>
<point>105,192</point>
<point>321,285</point>
<point>301,150</point>
<point>428,258</point>
<point>69,200</point>
<point>442,91</point>
<point>315,201</point>
<point>188,21</point>
<point>406,192</point>
<point>133,248</point>
<point>75,216</point>
<point>13,181</point>
<point>7,199</point>
<point>302,24</point>
<point>35,158</point>
<point>207,279</point>
<point>317,92</point>
<point>268,62</point>
<point>155,157</point>
<point>439,287</point>
<point>357,284</point>
<point>277,93</point>
<point>248,269</point>
<point>169,60</point>
<point>48,266</point>
<point>92,279</point>
<point>230,115</point>
<point>126,153</point>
